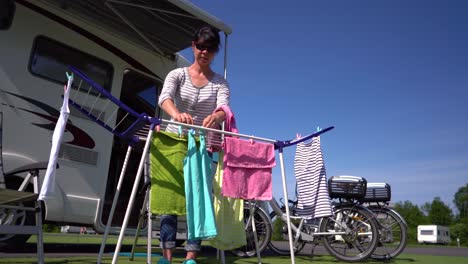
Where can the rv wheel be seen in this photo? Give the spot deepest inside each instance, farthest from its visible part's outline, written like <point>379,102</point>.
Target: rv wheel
<point>14,217</point>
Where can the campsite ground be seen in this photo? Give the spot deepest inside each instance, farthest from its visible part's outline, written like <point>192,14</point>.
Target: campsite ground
<point>75,248</point>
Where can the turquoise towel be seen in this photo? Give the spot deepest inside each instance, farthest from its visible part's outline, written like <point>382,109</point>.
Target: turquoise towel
<point>198,190</point>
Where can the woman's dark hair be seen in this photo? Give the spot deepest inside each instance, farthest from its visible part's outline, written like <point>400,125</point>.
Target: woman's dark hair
<point>207,35</point>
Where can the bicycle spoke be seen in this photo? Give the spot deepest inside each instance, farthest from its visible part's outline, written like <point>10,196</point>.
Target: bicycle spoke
<point>263,231</point>
<point>392,233</point>
<point>361,234</point>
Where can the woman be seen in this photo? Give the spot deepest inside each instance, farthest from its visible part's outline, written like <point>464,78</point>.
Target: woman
<point>190,95</point>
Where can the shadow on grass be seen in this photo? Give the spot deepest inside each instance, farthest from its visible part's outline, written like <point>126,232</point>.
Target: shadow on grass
<point>406,260</point>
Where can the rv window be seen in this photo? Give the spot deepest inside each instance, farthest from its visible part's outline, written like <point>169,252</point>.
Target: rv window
<point>427,232</point>
<point>7,11</point>
<point>140,92</point>
<point>50,60</point>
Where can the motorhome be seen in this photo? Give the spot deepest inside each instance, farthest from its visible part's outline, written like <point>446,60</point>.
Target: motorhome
<point>433,234</point>
<point>127,47</point>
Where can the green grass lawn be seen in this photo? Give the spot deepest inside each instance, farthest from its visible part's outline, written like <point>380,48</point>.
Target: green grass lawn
<point>112,240</point>
<point>402,259</point>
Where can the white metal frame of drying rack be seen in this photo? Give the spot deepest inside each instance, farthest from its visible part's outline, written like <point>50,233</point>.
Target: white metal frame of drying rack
<point>154,121</point>
<point>129,135</point>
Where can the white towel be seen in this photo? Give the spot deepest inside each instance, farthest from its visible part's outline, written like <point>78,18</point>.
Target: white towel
<point>48,186</point>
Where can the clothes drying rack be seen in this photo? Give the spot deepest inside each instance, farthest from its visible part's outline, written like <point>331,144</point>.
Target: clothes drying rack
<point>129,134</point>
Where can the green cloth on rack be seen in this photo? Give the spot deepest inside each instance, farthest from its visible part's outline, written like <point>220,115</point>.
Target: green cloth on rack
<point>229,215</point>
<point>167,154</point>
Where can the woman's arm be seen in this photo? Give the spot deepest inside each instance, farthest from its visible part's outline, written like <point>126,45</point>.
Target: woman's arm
<point>166,99</point>
<point>169,107</point>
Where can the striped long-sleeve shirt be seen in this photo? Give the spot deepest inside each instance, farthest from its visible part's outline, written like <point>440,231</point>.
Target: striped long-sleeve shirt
<point>199,102</point>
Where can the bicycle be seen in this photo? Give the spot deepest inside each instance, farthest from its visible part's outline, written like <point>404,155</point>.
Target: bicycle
<point>263,230</point>
<point>350,234</point>
<point>393,230</point>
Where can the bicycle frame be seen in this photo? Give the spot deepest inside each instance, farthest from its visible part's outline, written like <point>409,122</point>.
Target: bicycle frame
<point>354,204</point>
<point>351,226</point>
<point>277,209</point>
<point>310,237</point>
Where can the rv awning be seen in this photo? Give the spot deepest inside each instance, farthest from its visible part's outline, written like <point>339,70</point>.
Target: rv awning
<point>165,26</point>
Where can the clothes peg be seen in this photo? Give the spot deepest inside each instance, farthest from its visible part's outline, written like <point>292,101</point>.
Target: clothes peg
<point>298,135</point>
<point>180,131</point>
<point>318,128</point>
<point>69,76</point>
<point>251,141</point>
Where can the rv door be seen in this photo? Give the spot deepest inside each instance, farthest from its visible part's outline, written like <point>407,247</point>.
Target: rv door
<point>139,92</point>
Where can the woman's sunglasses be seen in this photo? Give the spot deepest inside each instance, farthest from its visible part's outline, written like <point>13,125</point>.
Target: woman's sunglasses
<point>202,47</point>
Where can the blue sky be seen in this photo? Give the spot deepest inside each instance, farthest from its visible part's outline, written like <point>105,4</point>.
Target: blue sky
<point>391,76</point>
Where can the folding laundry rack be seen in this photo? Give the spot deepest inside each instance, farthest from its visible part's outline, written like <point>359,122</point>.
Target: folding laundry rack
<point>129,134</point>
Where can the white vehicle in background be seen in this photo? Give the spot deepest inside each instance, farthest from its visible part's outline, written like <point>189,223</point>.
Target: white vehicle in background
<point>433,234</point>
<point>77,230</point>
<point>127,47</point>
<point>71,229</point>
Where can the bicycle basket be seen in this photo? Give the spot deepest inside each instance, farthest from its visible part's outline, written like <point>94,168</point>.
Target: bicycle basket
<point>377,192</point>
<point>347,187</point>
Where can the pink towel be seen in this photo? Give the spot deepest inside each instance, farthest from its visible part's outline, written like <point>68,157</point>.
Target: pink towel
<point>230,121</point>
<point>214,139</point>
<point>247,169</point>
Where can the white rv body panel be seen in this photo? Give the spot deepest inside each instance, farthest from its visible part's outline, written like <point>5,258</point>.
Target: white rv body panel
<point>78,189</point>
<point>433,234</point>
<point>81,182</point>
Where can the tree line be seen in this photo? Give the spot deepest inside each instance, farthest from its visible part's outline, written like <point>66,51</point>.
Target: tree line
<point>438,213</point>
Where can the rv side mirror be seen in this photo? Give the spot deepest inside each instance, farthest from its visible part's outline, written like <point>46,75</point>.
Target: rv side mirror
<point>7,11</point>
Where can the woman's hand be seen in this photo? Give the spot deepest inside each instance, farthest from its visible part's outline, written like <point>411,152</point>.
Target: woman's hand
<point>183,118</point>
<point>211,121</point>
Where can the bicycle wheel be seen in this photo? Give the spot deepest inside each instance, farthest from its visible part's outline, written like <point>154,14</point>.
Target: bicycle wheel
<point>264,231</point>
<point>281,230</point>
<point>393,233</point>
<point>360,238</point>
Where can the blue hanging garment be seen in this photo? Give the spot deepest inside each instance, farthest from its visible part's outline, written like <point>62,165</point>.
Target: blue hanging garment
<point>198,191</point>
